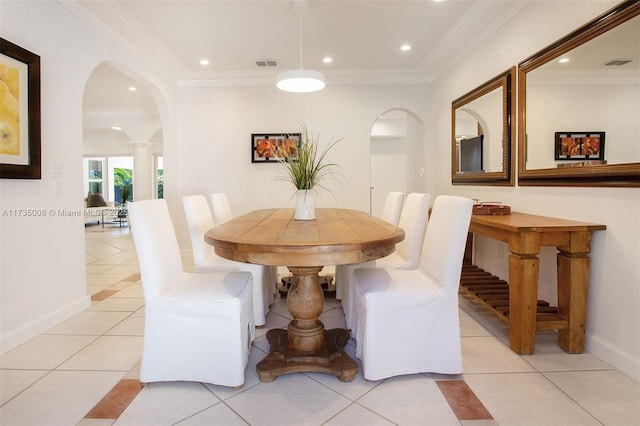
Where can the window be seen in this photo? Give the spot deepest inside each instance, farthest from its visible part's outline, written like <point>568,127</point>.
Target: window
<point>93,168</point>
<point>159,176</point>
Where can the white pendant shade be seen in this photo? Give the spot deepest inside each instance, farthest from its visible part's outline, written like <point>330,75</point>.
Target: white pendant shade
<point>300,81</point>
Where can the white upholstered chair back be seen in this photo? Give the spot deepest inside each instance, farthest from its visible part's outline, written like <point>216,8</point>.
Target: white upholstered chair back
<point>221,208</point>
<point>392,207</point>
<point>445,240</point>
<point>159,253</point>
<point>199,221</point>
<point>413,219</point>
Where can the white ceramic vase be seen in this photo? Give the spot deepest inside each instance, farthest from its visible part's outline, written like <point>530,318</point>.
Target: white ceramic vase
<point>305,205</point>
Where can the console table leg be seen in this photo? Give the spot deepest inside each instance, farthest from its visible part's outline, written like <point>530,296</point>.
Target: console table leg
<point>573,283</point>
<point>524,271</point>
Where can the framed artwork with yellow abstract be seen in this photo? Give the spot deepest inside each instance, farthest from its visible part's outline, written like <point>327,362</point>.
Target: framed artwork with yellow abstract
<point>19,112</point>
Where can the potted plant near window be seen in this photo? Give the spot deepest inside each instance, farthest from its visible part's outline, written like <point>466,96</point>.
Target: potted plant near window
<point>125,193</point>
<point>307,169</point>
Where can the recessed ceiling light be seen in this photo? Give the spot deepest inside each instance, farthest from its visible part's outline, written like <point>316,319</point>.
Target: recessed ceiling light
<point>327,60</point>
<point>204,62</point>
<point>116,128</point>
<point>564,60</point>
<point>132,88</point>
<point>405,47</point>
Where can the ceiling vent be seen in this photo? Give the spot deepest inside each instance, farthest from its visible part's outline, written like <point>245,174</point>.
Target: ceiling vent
<point>617,62</point>
<point>267,62</point>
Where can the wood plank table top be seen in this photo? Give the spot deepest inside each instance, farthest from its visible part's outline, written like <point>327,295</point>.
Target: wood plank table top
<point>274,237</point>
<point>521,222</point>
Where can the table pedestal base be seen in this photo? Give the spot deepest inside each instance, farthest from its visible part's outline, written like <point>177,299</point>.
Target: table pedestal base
<point>330,358</point>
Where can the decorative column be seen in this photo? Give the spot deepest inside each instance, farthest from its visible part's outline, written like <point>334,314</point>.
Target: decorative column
<point>141,170</point>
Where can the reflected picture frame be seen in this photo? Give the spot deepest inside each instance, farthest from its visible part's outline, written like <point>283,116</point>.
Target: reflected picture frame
<point>20,147</point>
<point>274,147</point>
<point>579,146</point>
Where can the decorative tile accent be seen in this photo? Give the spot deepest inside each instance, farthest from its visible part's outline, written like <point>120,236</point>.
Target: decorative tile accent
<point>102,295</point>
<point>464,403</point>
<point>115,402</point>
<point>132,278</point>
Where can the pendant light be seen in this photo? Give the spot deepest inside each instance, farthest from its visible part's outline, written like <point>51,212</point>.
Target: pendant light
<point>300,80</point>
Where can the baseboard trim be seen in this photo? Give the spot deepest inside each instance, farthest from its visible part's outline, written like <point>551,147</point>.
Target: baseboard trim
<point>42,323</point>
<point>613,355</point>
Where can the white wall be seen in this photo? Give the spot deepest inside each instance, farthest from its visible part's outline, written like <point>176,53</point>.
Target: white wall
<point>613,320</point>
<point>42,265</point>
<point>215,139</point>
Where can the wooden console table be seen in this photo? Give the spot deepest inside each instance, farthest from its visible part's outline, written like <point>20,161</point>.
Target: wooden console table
<point>518,302</point>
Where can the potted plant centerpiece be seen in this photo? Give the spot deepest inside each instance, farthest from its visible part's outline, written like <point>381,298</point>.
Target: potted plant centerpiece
<point>307,169</point>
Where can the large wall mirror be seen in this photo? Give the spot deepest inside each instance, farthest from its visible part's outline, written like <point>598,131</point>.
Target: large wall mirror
<point>579,105</point>
<point>482,134</point>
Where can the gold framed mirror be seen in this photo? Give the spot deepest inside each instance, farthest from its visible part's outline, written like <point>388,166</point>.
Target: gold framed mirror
<point>566,111</point>
<point>482,135</point>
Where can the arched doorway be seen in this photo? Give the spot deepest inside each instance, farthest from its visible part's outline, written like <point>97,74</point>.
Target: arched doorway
<point>121,130</point>
<point>397,156</point>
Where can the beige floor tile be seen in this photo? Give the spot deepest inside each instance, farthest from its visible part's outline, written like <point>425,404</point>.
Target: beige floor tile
<point>15,381</point>
<point>218,415</point>
<point>115,353</point>
<point>125,268</point>
<point>489,355</point>
<point>59,398</point>
<point>612,397</point>
<point>250,377</point>
<point>106,278</point>
<point>99,269</point>
<point>132,290</point>
<point>44,352</point>
<point>527,399</point>
<point>92,323</point>
<point>96,422</point>
<point>281,309</point>
<point>410,400</point>
<point>549,357</point>
<point>357,415</point>
<point>470,327</point>
<point>131,326</point>
<point>166,403</point>
<point>119,304</point>
<point>333,318</point>
<point>292,399</point>
<point>93,289</point>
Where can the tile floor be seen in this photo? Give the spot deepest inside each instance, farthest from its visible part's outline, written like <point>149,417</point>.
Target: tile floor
<point>84,372</point>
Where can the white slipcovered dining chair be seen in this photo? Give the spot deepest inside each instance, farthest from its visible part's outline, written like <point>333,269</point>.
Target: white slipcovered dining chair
<point>198,327</point>
<point>408,319</point>
<point>392,207</point>
<point>199,221</point>
<point>221,208</point>
<point>222,213</point>
<point>413,220</point>
<point>391,213</point>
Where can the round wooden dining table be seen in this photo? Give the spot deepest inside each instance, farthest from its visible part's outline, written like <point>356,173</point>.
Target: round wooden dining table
<point>335,237</point>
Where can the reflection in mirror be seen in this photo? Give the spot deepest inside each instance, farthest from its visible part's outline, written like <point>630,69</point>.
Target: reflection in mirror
<point>482,135</point>
<point>568,107</point>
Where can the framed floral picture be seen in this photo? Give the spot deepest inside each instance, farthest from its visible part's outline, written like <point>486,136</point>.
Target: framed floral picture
<point>579,146</point>
<point>19,112</point>
<point>273,147</point>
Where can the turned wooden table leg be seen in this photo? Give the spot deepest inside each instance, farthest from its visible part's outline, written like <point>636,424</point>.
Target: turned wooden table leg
<point>306,345</point>
<point>305,301</point>
<point>524,271</point>
<point>573,285</point>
